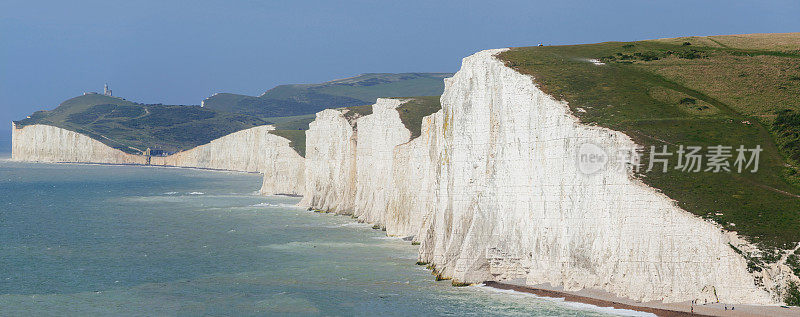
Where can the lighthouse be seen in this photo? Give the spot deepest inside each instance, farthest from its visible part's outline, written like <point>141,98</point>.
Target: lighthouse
<point>106,91</point>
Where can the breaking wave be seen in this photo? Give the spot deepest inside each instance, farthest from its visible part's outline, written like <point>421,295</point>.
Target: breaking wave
<point>576,305</point>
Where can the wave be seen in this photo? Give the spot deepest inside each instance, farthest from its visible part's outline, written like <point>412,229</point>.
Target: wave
<point>576,305</point>
<point>296,245</point>
<point>281,205</point>
<point>265,205</point>
<point>389,238</point>
<point>356,225</point>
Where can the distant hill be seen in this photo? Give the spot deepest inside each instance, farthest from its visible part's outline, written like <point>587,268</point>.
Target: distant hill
<point>133,127</point>
<point>304,99</point>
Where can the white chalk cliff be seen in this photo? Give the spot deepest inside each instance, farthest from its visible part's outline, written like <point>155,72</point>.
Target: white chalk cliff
<point>512,204</point>
<point>44,143</point>
<point>378,134</point>
<point>250,150</point>
<point>330,173</point>
<point>413,196</point>
<point>492,191</point>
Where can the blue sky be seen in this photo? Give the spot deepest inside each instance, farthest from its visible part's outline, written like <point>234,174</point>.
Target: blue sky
<point>179,52</point>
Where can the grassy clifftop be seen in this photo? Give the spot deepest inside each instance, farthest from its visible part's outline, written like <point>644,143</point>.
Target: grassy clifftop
<point>134,127</point>
<point>416,108</point>
<point>695,91</point>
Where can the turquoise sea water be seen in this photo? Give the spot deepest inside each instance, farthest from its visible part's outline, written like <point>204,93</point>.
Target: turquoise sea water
<point>111,240</point>
<point>5,142</point>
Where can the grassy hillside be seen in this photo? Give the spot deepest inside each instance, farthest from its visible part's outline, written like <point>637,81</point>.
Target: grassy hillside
<point>297,139</point>
<point>416,108</point>
<point>134,127</point>
<point>304,99</point>
<point>695,91</point>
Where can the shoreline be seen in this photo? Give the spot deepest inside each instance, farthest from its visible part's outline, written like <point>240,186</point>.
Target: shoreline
<point>605,299</point>
<point>126,165</point>
<point>588,300</point>
<point>591,297</point>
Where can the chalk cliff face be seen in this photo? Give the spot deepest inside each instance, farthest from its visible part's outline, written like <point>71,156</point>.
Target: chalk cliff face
<point>330,163</point>
<point>44,143</point>
<point>513,204</point>
<point>366,167</point>
<point>378,134</point>
<point>414,170</point>
<point>250,150</point>
<point>492,191</point>
<point>349,164</point>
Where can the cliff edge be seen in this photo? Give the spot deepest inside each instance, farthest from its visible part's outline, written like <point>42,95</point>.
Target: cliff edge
<point>492,191</point>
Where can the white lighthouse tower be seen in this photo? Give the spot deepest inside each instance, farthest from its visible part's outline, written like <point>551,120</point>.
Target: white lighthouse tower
<point>106,91</point>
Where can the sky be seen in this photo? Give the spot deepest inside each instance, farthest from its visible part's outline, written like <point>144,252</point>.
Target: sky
<point>180,52</point>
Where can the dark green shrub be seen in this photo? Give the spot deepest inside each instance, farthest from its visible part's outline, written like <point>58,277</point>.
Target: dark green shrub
<point>792,295</point>
<point>787,129</point>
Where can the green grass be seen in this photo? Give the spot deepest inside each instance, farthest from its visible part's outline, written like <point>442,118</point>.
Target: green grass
<point>368,87</point>
<point>704,94</point>
<point>279,120</point>
<point>412,112</point>
<point>304,99</point>
<point>297,139</point>
<point>353,113</point>
<point>134,127</point>
<point>786,128</point>
<point>296,124</point>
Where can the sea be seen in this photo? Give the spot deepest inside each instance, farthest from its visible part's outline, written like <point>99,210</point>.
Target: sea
<point>99,240</point>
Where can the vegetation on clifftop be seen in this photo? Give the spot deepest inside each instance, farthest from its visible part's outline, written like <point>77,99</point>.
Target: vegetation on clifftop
<point>134,127</point>
<point>297,139</point>
<point>694,91</point>
<point>416,108</point>
<point>303,99</point>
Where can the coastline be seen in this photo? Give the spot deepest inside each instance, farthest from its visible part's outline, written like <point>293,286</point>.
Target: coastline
<point>603,299</point>
<point>587,300</point>
<point>591,297</point>
<point>131,164</point>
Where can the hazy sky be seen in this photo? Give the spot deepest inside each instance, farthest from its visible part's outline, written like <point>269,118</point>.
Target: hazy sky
<point>179,52</point>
